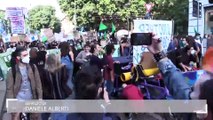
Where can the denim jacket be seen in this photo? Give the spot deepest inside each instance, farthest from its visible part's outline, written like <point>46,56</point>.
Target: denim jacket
<point>174,80</point>
<point>69,66</point>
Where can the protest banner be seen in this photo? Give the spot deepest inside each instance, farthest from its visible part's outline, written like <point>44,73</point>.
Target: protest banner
<point>17,25</point>
<point>14,12</point>
<point>162,28</point>
<point>16,17</point>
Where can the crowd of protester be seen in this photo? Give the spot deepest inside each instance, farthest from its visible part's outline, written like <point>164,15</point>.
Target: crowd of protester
<point>186,52</point>
<point>79,72</point>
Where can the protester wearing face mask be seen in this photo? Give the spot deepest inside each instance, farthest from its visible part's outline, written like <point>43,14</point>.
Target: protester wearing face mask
<point>194,58</point>
<point>183,43</point>
<point>186,58</point>
<point>23,82</point>
<point>12,47</point>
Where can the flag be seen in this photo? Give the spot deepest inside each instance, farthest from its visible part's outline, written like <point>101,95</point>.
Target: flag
<point>44,39</point>
<point>113,28</point>
<point>102,27</point>
<point>195,30</point>
<point>105,35</point>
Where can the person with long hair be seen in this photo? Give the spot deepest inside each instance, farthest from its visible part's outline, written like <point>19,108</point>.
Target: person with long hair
<point>67,59</point>
<point>55,81</point>
<point>56,76</point>
<point>23,82</point>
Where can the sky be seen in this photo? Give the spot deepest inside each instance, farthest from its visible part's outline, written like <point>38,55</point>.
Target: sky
<point>30,4</point>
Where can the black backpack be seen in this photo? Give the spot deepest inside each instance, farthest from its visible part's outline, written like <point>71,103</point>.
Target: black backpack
<point>14,71</point>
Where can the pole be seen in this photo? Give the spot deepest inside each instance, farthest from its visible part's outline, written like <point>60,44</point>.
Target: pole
<point>75,16</point>
<point>173,28</point>
<point>128,25</point>
<point>198,16</point>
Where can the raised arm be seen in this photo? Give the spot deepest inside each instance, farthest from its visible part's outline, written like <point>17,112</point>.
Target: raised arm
<point>173,78</point>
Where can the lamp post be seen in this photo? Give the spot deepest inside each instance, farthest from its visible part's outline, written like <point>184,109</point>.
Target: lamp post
<point>198,16</point>
<point>74,17</point>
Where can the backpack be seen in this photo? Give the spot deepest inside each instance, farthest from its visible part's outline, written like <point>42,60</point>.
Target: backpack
<point>14,71</point>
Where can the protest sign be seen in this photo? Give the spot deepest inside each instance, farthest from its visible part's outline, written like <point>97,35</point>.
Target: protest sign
<point>6,38</point>
<point>24,38</point>
<point>14,12</point>
<point>47,34</point>
<point>137,53</point>
<point>16,16</point>
<point>160,27</point>
<point>14,39</point>
<point>33,37</point>
<point>17,25</point>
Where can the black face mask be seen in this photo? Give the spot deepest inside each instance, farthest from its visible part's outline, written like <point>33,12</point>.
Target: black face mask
<point>12,46</point>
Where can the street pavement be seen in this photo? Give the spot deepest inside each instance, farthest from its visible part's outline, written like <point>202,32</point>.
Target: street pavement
<point>2,101</point>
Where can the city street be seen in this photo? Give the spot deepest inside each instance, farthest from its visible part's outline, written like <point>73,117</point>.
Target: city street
<point>2,102</point>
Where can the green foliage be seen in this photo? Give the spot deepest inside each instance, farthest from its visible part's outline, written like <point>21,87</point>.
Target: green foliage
<point>176,10</point>
<point>6,23</point>
<point>2,14</point>
<point>92,11</point>
<point>43,17</point>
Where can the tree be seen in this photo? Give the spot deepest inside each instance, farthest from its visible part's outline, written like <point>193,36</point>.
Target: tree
<point>44,17</point>
<point>2,14</point>
<point>5,23</point>
<point>93,11</point>
<point>176,10</point>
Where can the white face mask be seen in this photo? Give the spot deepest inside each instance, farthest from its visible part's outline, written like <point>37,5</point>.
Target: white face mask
<point>193,52</point>
<point>26,59</point>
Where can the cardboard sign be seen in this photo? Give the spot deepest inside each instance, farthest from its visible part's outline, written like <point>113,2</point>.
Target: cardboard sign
<point>137,53</point>
<point>16,17</point>
<point>160,27</point>
<point>48,33</point>
<point>17,25</point>
<point>14,39</point>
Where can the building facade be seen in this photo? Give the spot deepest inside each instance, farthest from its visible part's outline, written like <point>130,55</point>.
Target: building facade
<point>204,24</point>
